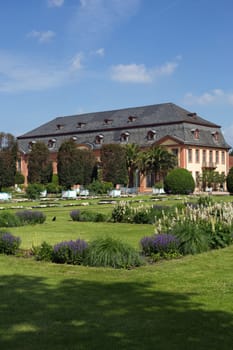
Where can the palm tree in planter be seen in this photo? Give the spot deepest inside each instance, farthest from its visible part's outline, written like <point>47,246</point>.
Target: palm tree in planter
<point>132,154</point>
<point>157,160</point>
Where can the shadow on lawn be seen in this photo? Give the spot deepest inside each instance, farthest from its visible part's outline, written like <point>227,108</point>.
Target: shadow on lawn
<point>92,315</point>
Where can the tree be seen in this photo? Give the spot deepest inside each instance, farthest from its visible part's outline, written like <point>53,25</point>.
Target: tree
<point>157,160</point>
<point>114,164</point>
<point>39,165</point>
<point>230,181</point>
<point>75,166</point>
<point>132,154</point>
<point>8,157</point>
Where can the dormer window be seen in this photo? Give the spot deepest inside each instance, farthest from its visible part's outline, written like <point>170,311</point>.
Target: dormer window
<point>108,121</point>
<point>30,144</point>
<point>132,118</point>
<point>59,126</point>
<point>99,139</point>
<point>151,135</point>
<point>51,143</point>
<point>192,115</point>
<point>125,136</point>
<point>196,133</point>
<point>215,135</point>
<point>81,124</point>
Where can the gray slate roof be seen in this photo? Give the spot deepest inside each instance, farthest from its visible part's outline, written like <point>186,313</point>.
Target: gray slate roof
<point>165,119</point>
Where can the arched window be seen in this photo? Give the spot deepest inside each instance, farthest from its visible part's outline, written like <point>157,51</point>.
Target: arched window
<point>215,135</point>
<point>196,133</point>
<point>51,143</point>
<point>30,144</point>
<point>99,139</point>
<point>151,135</point>
<point>125,136</point>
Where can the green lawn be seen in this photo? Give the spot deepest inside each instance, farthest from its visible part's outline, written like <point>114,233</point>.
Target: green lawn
<point>184,304</point>
<point>180,304</point>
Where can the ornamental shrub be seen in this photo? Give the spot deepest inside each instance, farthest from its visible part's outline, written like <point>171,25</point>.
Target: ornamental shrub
<point>31,217</point>
<point>9,244</point>
<point>121,212</point>
<point>8,219</point>
<point>100,187</point>
<point>179,181</point>
<point>160,244</point>
<point>113,253</point>
<point>193,239</point>
<point>77,215</point>
<point>70,252</point>
<point>43,252</point>
<point>34,190</point>
<point>230,181</point>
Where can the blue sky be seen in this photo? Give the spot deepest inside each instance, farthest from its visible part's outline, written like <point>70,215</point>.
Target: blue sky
<point>63,57</point>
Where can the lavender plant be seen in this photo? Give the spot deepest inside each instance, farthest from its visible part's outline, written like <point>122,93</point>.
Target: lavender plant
<point>9,244</point>
<point>70,252</point>
<point>160,243</point>
<point>31,217</point>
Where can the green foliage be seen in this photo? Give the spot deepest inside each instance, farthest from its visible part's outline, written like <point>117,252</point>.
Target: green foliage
<point>75,166</point>
<point>43,252</point>
<point>113,253</point>
<point>9,244</point>
<point>230,181</point>
<point>8,219</point>
<point>8,157</point>
<point>193,239</point>
<point>205,200</point>
<point>77,215</point>
<point>100,187</point>
<point>179,181</point>
<point>19,178</point>
<point>114,164</point>
<point>33,191</point>
<point>39,165</point>
<point>121,212</point>
<point>53,188</point>
<point>30,217</point>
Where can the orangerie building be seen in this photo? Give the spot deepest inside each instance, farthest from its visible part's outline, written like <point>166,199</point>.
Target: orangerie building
<point>198,143</point>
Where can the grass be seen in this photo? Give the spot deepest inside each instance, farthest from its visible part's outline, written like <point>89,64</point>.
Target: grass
<point>179,304</point>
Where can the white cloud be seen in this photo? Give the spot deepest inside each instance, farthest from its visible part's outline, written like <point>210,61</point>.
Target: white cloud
<point>55,3</point>
<point>43,37</point>
<point>133,73</point>
<point>228,134</point>
<point>95,18</point>
<point>209,97</point>
<point>139,73</point>
<point>99,52</point>
<point>18,74</point>
<point>76,62</point>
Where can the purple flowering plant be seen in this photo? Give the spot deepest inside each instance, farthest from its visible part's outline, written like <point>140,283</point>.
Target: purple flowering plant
<point>70,252</point>
<point>160,243</point>
<point>9,244</point>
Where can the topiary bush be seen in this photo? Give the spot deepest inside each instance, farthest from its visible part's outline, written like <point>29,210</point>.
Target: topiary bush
<point>70,252</point>
<point>113,253</point>
<point>31,217</point>
<point>179,181</point>
<point>9,244</point>
<point>229,181</point>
